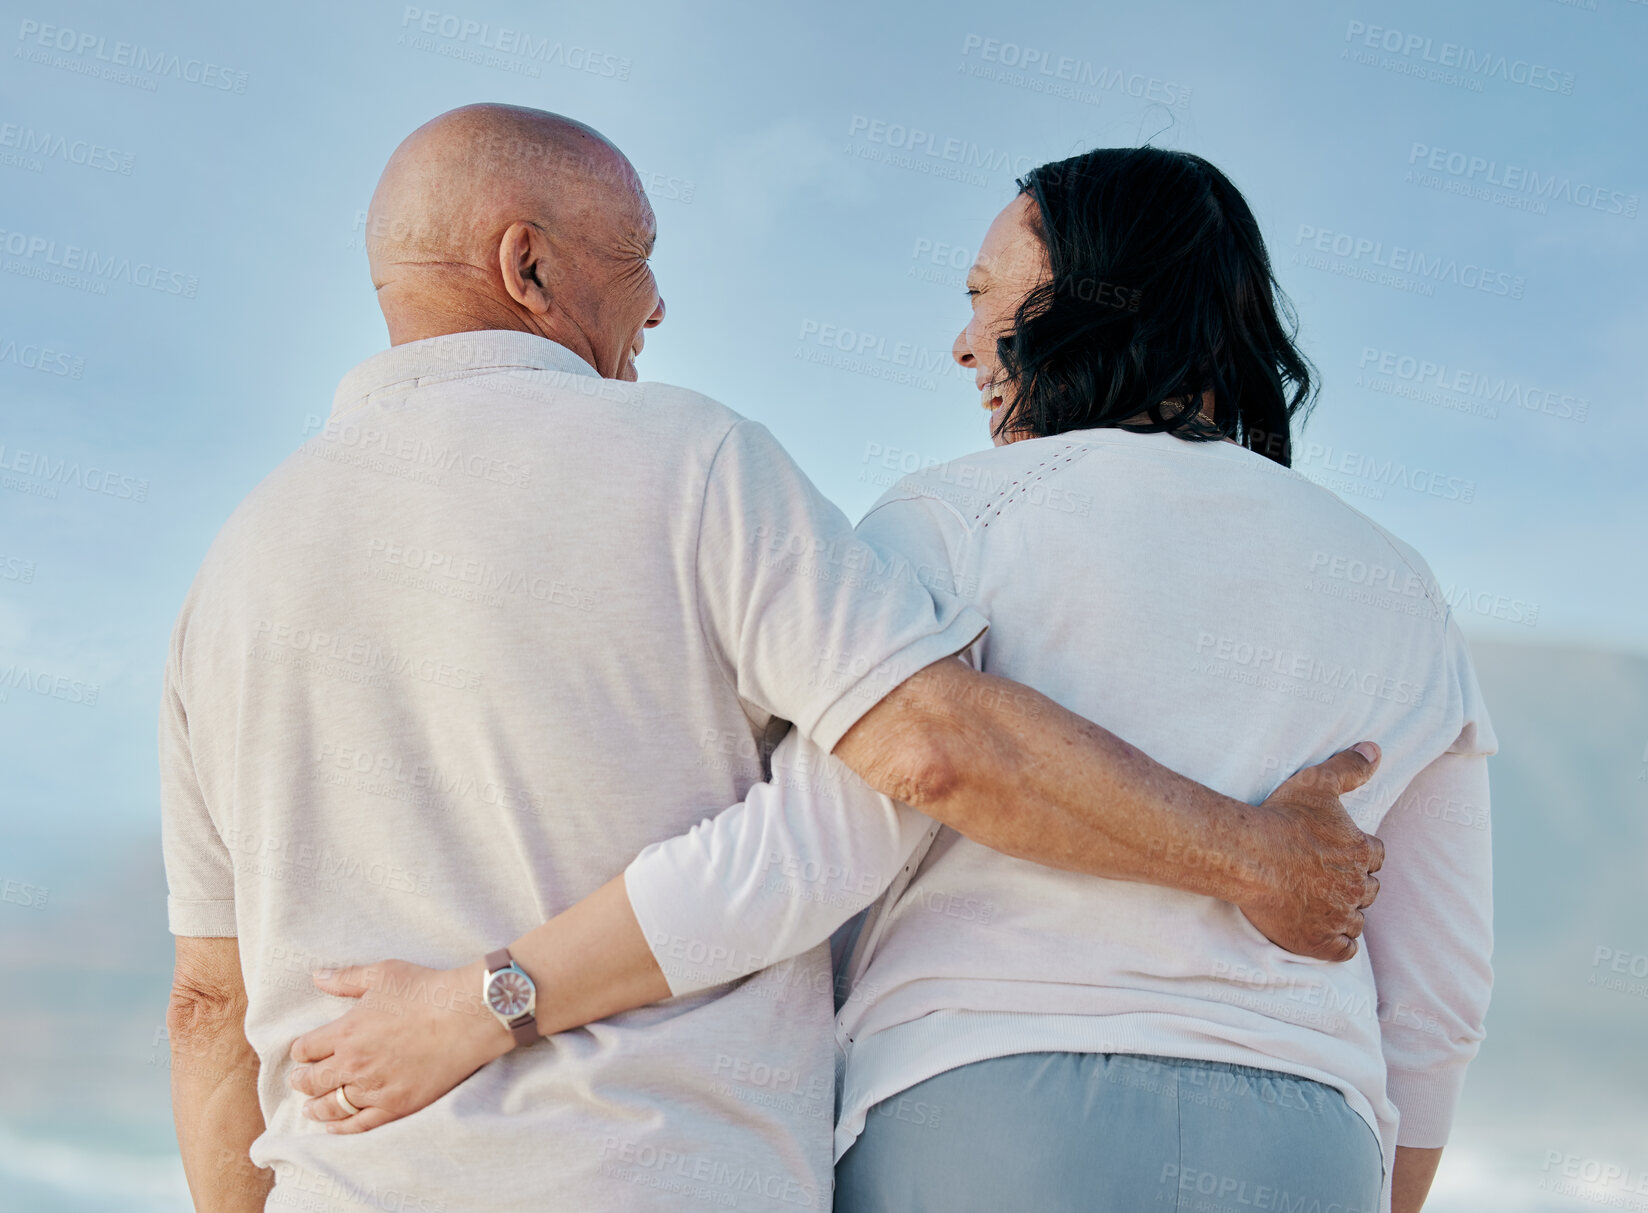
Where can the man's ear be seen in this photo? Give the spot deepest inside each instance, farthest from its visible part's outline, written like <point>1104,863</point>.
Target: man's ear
<point>524,262</point>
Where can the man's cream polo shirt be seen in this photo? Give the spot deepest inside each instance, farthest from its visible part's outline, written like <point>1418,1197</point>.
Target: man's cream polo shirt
<point>494,629</point>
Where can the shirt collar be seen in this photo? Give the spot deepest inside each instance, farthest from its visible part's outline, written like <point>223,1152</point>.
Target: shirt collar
<point>407,366</point>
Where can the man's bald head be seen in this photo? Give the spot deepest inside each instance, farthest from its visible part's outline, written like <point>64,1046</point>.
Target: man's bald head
<point>498,216</point>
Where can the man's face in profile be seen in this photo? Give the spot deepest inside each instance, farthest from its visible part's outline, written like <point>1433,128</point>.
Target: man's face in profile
<point>622,299</point>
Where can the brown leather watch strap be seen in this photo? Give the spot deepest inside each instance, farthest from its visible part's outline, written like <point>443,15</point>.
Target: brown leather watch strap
<point>524,1028</point>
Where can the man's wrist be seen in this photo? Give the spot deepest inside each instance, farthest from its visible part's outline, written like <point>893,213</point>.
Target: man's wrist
<point>1255,868</point>
<point>1232,857</point>
<point>1250,865</point>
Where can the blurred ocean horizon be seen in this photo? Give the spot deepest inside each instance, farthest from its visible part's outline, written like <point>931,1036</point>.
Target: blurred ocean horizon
<point>82,1041</point>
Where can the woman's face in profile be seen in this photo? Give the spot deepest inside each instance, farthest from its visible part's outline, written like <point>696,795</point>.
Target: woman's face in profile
<point>1011,262</point>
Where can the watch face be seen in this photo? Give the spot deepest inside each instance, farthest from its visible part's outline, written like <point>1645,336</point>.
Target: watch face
<point>509,993</point>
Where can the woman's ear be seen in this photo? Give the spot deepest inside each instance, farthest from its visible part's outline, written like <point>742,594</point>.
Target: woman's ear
<point>524,259</point>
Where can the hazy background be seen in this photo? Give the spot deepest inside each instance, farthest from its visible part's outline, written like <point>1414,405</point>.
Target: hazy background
<point>811,260</point>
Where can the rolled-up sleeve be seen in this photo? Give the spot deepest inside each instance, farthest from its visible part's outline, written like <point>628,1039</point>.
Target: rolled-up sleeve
<point>815,624</point>
<point>1430,933</point>
<point>200,875</point>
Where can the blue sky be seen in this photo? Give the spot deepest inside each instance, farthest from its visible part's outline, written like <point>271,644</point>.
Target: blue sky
<point>811,259</point>
<point>1466,254</point>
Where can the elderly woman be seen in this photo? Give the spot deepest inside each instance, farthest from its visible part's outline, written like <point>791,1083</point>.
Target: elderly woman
<point>1016,1037</point>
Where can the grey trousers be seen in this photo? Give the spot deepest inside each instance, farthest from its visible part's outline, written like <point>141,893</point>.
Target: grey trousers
<point>1111,1133</point>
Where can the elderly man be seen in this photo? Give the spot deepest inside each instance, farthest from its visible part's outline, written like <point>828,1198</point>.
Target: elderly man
<point>510,618</point>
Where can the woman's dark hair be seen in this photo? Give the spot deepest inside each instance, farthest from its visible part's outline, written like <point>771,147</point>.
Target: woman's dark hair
<point>1161,289</point>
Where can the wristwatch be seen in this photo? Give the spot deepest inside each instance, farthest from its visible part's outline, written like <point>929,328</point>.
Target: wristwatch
<point>510,995</point>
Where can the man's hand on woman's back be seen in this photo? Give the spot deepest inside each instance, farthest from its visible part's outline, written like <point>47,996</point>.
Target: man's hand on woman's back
<point>1323,869</point>
<point>1011,769</point>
